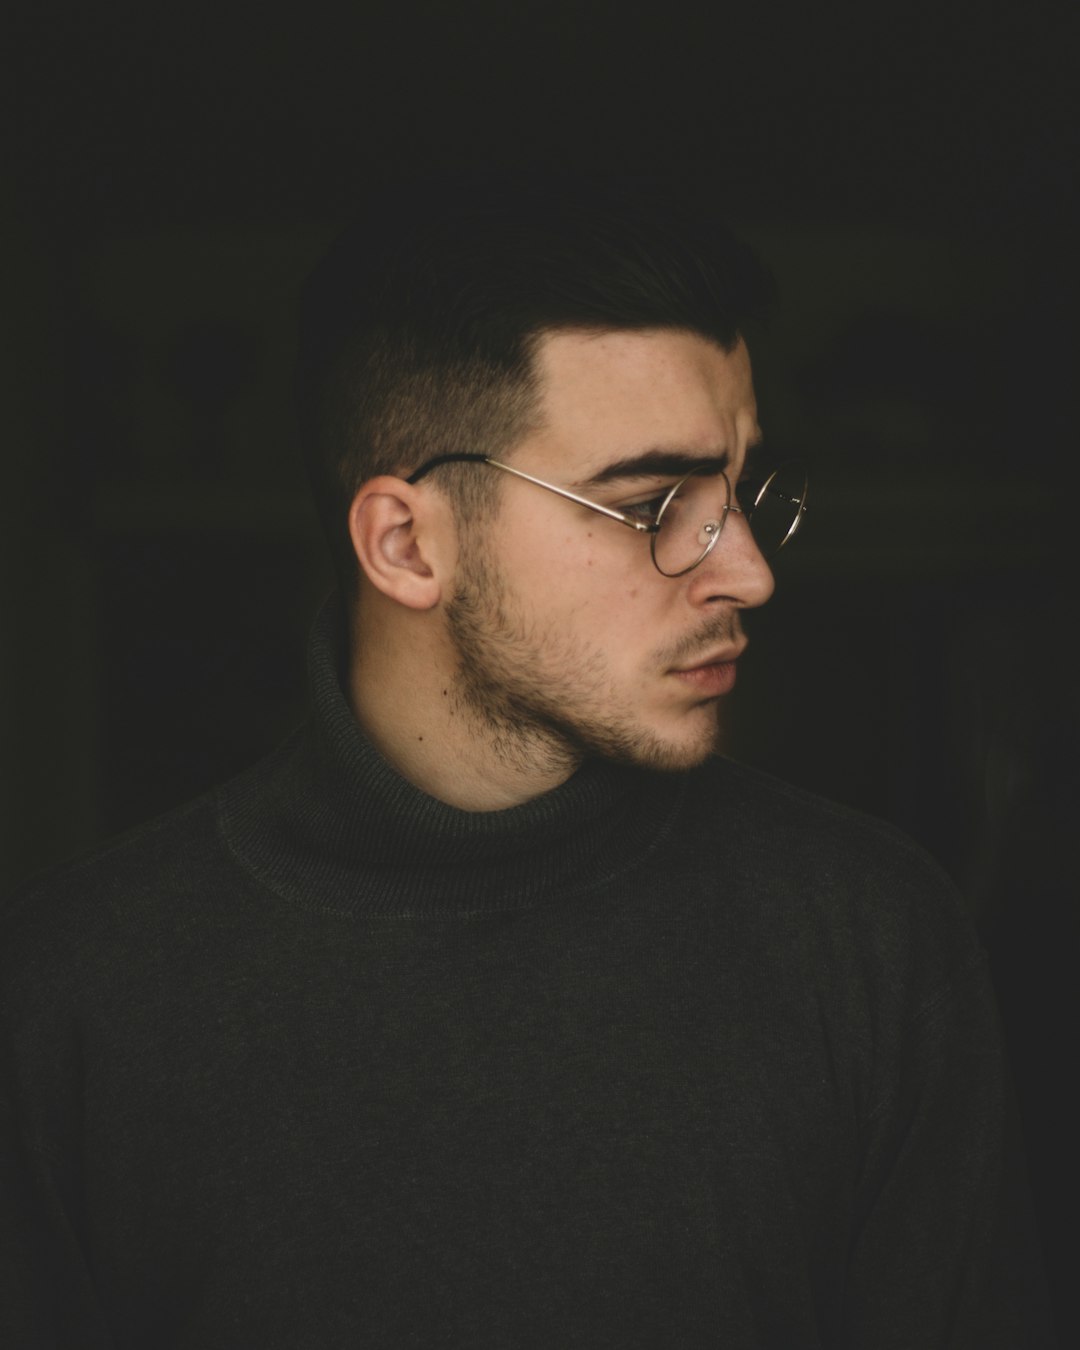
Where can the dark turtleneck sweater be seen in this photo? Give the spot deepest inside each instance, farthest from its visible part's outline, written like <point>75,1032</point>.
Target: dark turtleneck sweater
<point>650,1061</point>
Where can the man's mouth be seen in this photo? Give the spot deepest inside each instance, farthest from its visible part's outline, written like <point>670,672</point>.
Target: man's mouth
<point>714,674</point>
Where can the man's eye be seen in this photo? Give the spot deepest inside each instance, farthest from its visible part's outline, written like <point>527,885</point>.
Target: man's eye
<point>647,511</point>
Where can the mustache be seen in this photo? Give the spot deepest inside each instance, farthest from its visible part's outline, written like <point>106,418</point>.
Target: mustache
<point>724,630</point>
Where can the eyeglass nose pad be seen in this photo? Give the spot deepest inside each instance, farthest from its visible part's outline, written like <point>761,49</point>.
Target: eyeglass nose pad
<point>708,533</point>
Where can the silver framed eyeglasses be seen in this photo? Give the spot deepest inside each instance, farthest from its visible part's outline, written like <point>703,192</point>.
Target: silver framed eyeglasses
<point>685,521</point>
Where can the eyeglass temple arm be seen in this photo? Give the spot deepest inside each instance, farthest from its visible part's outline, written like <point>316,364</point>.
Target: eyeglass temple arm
<point>539,482</point>
<point>440,460</point>
<point>620,516</point>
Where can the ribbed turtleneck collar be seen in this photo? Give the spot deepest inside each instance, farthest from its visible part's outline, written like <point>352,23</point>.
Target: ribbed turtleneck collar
<point>327,822</point>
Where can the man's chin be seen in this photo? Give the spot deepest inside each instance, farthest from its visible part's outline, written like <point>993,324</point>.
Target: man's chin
<point>659,754</point>
<point>681,760</point>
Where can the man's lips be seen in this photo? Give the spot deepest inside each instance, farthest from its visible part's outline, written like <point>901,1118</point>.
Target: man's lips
<point>712,675</point>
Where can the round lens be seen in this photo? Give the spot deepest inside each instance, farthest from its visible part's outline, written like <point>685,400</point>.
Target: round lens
<point>775,509</point>
<point>690,521</point>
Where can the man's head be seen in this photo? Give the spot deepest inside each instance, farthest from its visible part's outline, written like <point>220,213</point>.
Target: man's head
<point>420,328</point>
<point>594,343</point>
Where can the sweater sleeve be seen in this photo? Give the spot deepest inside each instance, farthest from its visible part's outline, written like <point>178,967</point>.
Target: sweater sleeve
<point>944,1252</point>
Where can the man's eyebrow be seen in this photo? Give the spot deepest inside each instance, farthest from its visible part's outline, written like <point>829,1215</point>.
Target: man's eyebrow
<point>655,464</point>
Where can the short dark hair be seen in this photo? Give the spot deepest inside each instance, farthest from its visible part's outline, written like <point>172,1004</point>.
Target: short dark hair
<point>419,327</point>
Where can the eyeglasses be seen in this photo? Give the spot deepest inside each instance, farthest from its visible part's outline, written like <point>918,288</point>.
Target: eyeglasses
<point>685,521</point>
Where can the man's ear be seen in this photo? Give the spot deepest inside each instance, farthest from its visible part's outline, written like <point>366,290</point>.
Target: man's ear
<point>395,538</point>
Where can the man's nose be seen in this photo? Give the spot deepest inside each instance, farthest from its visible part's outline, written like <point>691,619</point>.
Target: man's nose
<point>735,571</point>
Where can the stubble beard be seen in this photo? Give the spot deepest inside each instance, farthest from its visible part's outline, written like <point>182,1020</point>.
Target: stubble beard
<point>544,702</point>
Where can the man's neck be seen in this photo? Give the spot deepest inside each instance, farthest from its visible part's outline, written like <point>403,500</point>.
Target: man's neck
<point>405,697</point>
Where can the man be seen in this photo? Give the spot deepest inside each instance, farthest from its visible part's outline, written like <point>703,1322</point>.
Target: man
<point>495,1009</point>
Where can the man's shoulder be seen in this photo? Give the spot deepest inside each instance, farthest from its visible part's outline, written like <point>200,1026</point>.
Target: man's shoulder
<point>821,877</point>
<point>772,811</point>
<point>153,879</point>
<point>786,839</point>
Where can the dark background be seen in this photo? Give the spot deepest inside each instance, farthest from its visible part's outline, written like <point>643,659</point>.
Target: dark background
<point>910,174</point>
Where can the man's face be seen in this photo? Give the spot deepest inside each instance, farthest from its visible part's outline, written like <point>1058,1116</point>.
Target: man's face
<point>568,639</point>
